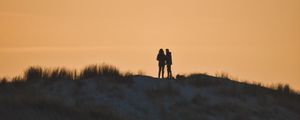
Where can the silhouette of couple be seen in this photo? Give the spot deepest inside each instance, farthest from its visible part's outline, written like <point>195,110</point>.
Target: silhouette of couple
<point>164,59</point>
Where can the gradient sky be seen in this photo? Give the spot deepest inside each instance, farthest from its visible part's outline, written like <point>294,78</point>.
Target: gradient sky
<point>254,40</point>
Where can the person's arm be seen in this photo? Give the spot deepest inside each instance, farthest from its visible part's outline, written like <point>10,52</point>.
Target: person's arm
<point>171,58</point>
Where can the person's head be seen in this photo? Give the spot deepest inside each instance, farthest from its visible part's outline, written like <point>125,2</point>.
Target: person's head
<point>167,51</point>
<point>161,51</point>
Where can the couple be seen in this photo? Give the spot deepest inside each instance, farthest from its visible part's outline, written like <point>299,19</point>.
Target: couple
<point>164,59</point>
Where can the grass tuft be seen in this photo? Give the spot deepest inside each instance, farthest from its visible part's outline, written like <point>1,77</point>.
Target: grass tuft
<point>92,71</point>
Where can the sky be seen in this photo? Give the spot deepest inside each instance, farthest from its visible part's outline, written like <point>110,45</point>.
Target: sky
<point>253,40</point>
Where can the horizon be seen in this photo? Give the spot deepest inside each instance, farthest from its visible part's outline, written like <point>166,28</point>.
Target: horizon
<point>251,40</point>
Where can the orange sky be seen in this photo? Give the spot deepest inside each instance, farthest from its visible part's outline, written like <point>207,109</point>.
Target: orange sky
<point>254,40</point>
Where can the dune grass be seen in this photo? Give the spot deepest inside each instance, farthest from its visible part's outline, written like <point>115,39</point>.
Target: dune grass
<point>34,73</point>
<point>110,72</point>
<point>26,94</point>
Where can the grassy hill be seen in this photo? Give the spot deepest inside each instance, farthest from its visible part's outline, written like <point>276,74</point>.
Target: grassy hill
<point>104,93</point>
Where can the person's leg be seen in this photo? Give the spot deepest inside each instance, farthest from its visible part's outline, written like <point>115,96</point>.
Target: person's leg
<point>163,71</point>
<point>159,70</point>
<point>168,69</point>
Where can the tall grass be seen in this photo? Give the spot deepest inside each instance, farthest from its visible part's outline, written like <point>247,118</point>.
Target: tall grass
<point>34,73</point>
<point>62,73</point>
<point>223,75</point>
<point>223,78</point>
<point>3,81</point>
<point>283,88</point>
<point>39,73</point>
<point>91,71</point>
<point>100,70</point>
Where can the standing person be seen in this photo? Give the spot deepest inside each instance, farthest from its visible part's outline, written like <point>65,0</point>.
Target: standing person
<point>169,63</point>
<point>161,58</point>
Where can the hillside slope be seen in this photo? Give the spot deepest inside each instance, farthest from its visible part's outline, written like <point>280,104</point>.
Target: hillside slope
<point>145,98</point>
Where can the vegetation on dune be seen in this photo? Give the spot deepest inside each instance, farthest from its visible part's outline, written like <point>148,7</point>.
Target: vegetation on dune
<point>99,70</point>
<point>104,92</point>
<point>92,71</point>
<point>34,73</point>
<point>111,72</point>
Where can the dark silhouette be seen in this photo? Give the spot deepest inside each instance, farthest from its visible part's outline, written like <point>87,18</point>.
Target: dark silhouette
<point>169,63</point>
<point>41,92</point>
<point>161,58</point>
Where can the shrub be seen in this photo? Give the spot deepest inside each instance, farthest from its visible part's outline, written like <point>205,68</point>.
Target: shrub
<point>223,75</point>
<point>17,78</point>
<point>3,81</point>
<point>38,73</point>
<point>203,80</point>
<point>61,73</point>
<point>128,74</point>
<point>100,70</point>
<point>104,71</point>
<point>284,88</point>
<point>140,72</point>
<point>34,73</point>
<point>180,77</point>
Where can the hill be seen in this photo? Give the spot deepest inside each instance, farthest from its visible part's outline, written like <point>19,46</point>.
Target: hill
<point>106,94</point>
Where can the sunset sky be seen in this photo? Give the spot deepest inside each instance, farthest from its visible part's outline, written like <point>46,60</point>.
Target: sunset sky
<point>253,40</point>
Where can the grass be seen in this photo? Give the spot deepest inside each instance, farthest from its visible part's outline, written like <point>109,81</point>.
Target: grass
<point>35,73</point>
<point>3,80</point>
<point>113,74</point>
<point>23,95</point>
<point>92,71</point>
<point>203,80</point>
